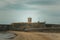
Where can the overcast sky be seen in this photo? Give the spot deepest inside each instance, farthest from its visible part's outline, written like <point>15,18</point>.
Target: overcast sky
<point>39,10</point>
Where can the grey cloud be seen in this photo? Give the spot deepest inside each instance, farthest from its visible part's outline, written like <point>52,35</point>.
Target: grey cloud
<point>43,2</point>
<point>16,11</point>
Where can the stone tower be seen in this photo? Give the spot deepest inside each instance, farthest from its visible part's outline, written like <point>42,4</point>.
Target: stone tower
<point>29,20</point>
<point>29,23</point>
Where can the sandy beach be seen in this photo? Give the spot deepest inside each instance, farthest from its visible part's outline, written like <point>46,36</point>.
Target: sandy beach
<point>36,36</point>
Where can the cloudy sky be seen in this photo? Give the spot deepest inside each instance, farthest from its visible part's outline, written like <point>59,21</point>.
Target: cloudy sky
<point>39,10</point>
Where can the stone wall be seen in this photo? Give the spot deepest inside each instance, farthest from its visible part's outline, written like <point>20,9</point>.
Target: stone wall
<point>22,26</point>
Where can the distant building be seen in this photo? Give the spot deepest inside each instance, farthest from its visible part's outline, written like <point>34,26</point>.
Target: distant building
<point>28,25</point>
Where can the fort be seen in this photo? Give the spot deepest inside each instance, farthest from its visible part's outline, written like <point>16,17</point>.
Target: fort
<point>31,26</point>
